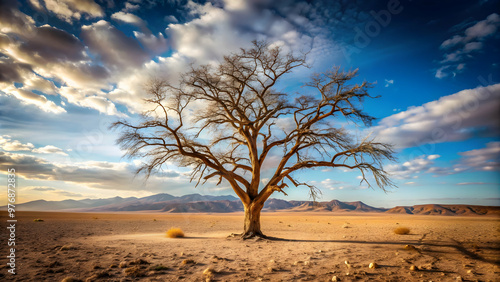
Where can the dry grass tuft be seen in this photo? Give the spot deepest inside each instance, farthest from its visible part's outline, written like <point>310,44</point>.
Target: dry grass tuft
<point>402,231</point>
<point>159,267</point>
<point>175,233</point>
<point>134,271</point>
<point>38,220</point>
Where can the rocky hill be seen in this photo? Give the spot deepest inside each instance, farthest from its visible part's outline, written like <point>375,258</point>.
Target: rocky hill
<point>196,203</point>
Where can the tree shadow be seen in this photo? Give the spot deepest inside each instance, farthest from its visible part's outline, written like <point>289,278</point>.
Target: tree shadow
<point>457,246</point>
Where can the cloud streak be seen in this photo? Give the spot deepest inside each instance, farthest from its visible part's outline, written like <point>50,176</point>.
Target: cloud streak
<point>468,113</point>
<point>460,47</point>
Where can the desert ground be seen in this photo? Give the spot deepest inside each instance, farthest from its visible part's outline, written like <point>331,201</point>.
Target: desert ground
<point>311,247</point>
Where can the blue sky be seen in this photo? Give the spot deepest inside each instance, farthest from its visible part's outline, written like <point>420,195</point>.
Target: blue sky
<point>70,68</point>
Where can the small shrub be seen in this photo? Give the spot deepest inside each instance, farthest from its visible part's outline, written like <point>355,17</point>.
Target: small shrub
<point>175,233</point>
<point>402,231</point>
<point>38,220</point>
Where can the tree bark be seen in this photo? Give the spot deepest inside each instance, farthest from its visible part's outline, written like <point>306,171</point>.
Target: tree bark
<point>252,221</point>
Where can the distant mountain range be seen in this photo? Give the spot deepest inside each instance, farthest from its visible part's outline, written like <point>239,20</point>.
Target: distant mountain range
<point>196,203</point>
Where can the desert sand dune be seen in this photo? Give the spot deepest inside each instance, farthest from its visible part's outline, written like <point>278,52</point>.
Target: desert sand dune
<point>307,247</point>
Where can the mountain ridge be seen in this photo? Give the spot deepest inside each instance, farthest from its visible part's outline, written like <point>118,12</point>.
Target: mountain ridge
<point>196,203</point>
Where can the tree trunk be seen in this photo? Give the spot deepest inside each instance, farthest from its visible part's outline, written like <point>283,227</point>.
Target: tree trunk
<point>252,221</point>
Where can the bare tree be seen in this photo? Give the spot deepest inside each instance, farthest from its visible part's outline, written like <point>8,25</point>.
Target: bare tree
<point>232,134</point>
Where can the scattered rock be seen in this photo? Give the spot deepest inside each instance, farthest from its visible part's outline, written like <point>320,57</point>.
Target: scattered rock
<point>208,272</point>
<point>218,259</point>
<point>373,265</point>
<point>297,262</point>
<point>148,254</point>
<point>139,261</point>
<point>67,248</point>
<point>459,278</point>
<point>335,278</point>
<point>410,247</point>
<point>413,268</point>
<point>134,271</point>
<point>347,264</point>
<point>188,261</point>
<point>123,264</point>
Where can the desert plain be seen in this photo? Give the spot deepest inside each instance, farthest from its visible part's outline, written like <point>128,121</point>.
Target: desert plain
<point>307,246</point>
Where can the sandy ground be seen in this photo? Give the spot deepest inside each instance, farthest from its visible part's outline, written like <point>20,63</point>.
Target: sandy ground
<point>315,247</point>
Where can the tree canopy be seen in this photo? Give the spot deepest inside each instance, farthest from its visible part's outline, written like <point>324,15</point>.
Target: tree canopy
<point>225,120</point>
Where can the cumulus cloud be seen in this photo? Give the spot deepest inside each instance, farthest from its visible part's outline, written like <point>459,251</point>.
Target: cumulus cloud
<point>49,149</point>
<point>31,98</point>
<point>7,144</point>
<point>130,19</point>
<point>156,44</point>
<point>468,113</point>
<point>412,168</point>
<point>70,10</point>
<point>103,65</point>
<point>97,175</point>
<point>114,48</point>
<point>485,159</point>
<point>389,82</point>
<point>460,47</point>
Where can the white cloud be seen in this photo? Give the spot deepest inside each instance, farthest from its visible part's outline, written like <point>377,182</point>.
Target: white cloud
<point>464,45</point>
<point>115,49</point>
<point>90,99</point>
<point>7,144</point>
<point>471,112</point>
<point>129,7</point>
<point>92,174</point>
<point>156,44</point>
<point>389,82</point>
<point>69,10</point>
<point>49,149</point>
<point>171,19</point>
<point>412,168</point>
<point>130,19</point>
<point>31,98</point>
<point>485,159</point>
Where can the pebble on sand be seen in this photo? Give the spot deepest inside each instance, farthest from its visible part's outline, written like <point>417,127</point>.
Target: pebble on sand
<point>373,265</point>
<point>209,272</point>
